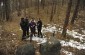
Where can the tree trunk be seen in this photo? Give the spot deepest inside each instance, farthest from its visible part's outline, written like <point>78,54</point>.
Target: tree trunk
<point>55,3</point>
<point>62,2</point>
<point>7,9</point>
<point>38,5</point>
<point>52,12</point>
<point>19,7</point>
<point>25,7</point>
<point>67,19</point>
<point>75,12</point>
<point>43,3</point>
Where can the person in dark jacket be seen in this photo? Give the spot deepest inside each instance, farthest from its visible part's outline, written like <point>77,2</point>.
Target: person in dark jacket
<point>27,26</point>
<point>39,28</point>
<point>22,24</point>
<point>32,27</point>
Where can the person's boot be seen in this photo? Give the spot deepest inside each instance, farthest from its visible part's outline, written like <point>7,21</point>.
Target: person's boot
<point>31,37</point>
<point>38,35</point>
<point>41,35</point>
<point>27,36</point>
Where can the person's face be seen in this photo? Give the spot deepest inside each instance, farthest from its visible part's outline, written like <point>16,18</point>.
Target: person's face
<point>32,20</point>
<point>39,19</point>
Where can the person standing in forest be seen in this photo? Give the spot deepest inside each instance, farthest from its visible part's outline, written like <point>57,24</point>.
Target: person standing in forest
<point>39,27</point>
<point>22,25</point>
<point>32,28</point>
<point>27,26</point>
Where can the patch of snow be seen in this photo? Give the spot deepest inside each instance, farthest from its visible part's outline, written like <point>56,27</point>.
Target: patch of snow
<point>12,41</point>
<point>2,4</point>
<point>83,31</point>
<point>60,30</point>
<point>70,43</point>
<point>39,40</point>
<point>11,31</point>
<point>39,0</point>
<point>67,53</point>
<point>20,29</point>
<point>73,44</point>
<point>14,38</point>
<point>75,34</point>
<point>49,24</point>
<point>76,30</point>
<point>49,29</point>
<point>13,34</point>
<point>72,33</point>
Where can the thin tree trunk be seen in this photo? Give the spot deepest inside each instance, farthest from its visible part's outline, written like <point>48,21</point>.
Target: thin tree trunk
<point>67,19</point>
<point>52,12</point>
<point>55,6</point>
<point>7,9</point>
<point>38,5</point>
<point>25,6</point>
<point>19,8</point>
<point>43,3</point>
<point>75,12</point>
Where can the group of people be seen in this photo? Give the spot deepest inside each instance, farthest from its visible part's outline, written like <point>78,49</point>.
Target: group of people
<point>27,25</point>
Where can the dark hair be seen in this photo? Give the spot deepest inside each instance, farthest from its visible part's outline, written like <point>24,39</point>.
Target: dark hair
<point>39,19</point>
<point>26,20</point>
<point>22,19</point>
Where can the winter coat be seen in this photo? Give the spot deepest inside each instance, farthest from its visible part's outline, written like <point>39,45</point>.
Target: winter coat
<point>22,24</point>
<point>32,26</point>
<point>26,24</point>
<point>39,24</point>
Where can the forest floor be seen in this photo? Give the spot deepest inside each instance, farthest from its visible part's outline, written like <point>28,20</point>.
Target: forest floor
<point>73,44</point>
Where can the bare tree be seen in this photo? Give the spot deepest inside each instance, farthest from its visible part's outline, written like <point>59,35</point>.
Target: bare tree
<point>18,7</point>
<point>53,11</point>
<point>43,3</point>
<point>67,19</point>
<point>38,6</point>
<point>75,12</point>
<point>55,3</point>
<point>7,9</point>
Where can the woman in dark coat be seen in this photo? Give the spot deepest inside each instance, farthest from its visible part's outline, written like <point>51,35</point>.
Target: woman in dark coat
<point>22,25</point>
<point>27,26</point>
<point>39,27</point>
<point>32,25</point>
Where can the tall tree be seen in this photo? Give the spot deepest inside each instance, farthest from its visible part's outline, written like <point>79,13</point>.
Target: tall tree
<point>63,2</point>
<point>38,6</point>
<point>1,10</point>
<point>82,5</point>
<point>7,9</point>
<point>53,11</point>
<point>67,19</point>
<point>55,3</point>
<point>18,7</point>
<point>43,3</point>
<point>75,12</point>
